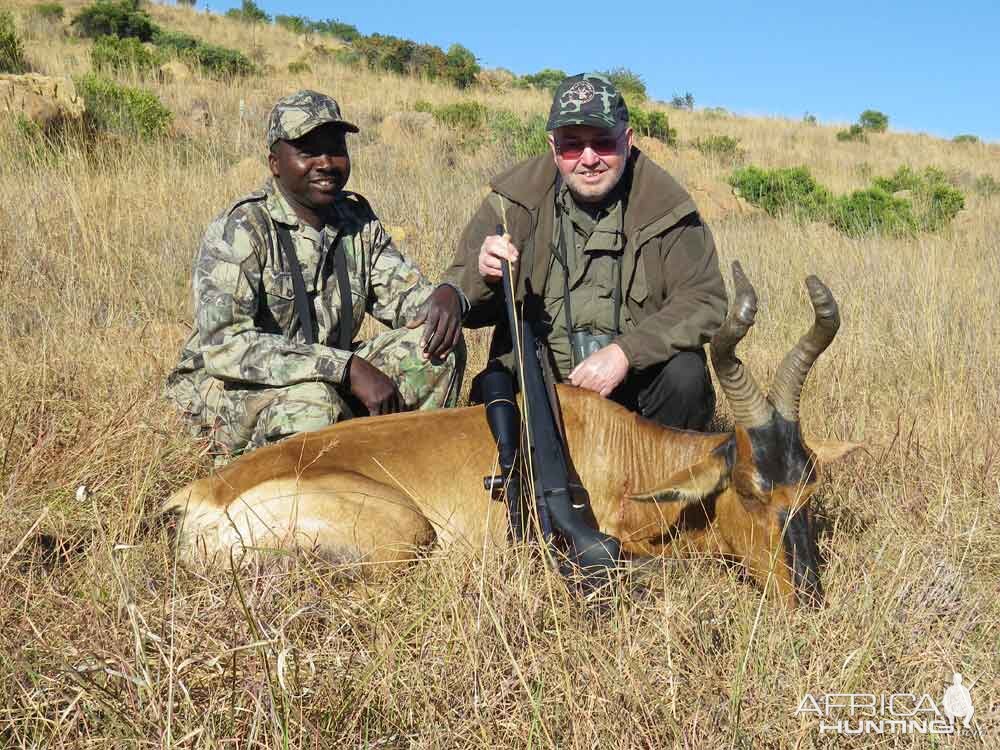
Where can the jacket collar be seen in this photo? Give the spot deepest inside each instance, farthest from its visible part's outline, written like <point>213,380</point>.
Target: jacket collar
<point>659,197</point>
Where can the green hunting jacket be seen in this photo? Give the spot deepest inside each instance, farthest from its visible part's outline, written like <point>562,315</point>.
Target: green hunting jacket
<point>674,296</point>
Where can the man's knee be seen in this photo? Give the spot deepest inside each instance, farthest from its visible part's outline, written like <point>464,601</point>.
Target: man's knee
<point>686,375</point>
<point>303,407</point>
<point>681,395</point>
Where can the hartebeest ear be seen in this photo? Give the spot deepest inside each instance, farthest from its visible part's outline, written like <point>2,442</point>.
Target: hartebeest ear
<point>830,451</point>
<point>690,485</point>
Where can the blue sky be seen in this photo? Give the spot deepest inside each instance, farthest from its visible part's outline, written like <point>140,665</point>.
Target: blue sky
<point>931,66</point>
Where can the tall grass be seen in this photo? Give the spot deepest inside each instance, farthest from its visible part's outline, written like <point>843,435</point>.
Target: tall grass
<point>105,642</point>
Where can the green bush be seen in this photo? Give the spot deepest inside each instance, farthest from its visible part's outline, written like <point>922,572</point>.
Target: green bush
<point>122,109</point>
<point>121,55</point>
<point>423,106</point>
<point>935,200</point>
<point>629,83</point>
<point>987,186</point>
<point>332,27</point>
<point>11,50</point>
<point>683,101</point>
<point>461,115</point>
<point>219,62</point>
<point>388,53</point>
<point>873,120</point>
<point>49,11</point>
<point>299,67</point>
<point>347,56</point>
<point>809,119</point>
<point>853,133</point>
<point>873,211</point>
<point>723,147</point>
<point>523,139</point>
<point>295,24</point>
<point>547,79</point>
<point>121,18</point>
<point>460,66</point>
<point>249,12</point>
<point>965,138</point>
<point>653,124</point>
<point>780,191</point>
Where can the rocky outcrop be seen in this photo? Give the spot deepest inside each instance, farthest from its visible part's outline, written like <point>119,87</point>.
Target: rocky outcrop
<point>46,101</point>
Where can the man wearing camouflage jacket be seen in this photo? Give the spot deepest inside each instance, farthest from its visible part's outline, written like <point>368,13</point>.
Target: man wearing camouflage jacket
<point>610,254</point>
<point>251,373</point>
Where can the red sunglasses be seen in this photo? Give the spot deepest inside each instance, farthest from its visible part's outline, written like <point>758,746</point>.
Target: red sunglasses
<point>605,145</point>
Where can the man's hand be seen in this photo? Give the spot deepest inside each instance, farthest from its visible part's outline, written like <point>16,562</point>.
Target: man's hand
<point>494,248</point>
<point>602,371</point>
<point>374,388</point>
<point>441,316</point>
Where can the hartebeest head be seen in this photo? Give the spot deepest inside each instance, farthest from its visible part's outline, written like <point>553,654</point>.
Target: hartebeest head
<point>754,489</point>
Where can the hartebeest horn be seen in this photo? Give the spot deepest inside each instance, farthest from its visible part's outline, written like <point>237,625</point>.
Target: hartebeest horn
<point>750,408</point>
<point>787,386</point>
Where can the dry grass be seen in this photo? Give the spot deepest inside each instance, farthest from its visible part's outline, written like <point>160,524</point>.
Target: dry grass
<point>105,643</point>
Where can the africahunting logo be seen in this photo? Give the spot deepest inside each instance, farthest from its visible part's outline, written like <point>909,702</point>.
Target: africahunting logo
<point>894,713</point>
<point>581,92</point>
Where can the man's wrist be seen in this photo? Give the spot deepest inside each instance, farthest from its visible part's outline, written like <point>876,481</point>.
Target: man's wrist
<point>463,301</point>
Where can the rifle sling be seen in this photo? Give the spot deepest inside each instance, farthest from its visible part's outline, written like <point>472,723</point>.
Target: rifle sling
<point>304,310</point>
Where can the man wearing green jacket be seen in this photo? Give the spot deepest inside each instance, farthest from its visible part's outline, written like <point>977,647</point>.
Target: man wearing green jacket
<point>610,251</point>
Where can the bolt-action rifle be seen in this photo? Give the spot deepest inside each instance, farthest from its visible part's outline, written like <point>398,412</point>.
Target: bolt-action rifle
<point>534,466</point>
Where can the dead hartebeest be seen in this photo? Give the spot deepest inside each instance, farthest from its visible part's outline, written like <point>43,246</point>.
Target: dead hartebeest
<point>375,489</point>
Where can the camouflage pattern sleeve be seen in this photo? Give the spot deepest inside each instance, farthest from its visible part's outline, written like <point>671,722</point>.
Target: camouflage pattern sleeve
<point>397,287</point>
<point>227,280</point>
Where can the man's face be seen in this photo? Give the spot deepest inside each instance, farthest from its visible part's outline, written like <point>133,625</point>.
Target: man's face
<point>591,160</point>
<point>313,169</point>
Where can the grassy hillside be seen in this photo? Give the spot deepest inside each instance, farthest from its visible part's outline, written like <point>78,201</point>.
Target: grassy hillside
<point>105,643</point>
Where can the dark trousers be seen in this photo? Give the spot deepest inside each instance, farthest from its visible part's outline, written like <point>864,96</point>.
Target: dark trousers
<point>677,393</point>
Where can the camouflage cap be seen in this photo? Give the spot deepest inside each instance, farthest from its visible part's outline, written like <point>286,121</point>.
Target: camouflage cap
<point>297,114</point>
<point>587,99</point>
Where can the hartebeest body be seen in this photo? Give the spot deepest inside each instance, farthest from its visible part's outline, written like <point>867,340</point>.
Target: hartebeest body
<point>375,489</point>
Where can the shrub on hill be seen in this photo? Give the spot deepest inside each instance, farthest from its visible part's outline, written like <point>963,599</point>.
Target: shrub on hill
<point>935,200</point>
<point>122,18</point>
<point>965,138</point>
<point>873,120</point>
<point>11,50</point>
<point>460,66</point>
<point>49,11</point>
<point>403,56</point>
<point>629,83</point>
<point>474,122</point>
<point>873,211</point>
<point>522,138</point>
<point>683,101</point>
<point>299,67</point>
<point>853,133</point>
<point>295,24</point>
<point>781,191</point>
<point>547,79</point>
<point>461,115</point>
<point>339,29</point>
<point>219,62</point>
<point>122,55</point>
<point>929,203</point>
<point>721,147</point>
<point>987,186</point>
<point>652,123</point>
<point>249,12</point>
<point>121,109</point>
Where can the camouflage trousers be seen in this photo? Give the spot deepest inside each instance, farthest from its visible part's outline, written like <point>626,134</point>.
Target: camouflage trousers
<point>236,419</point>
